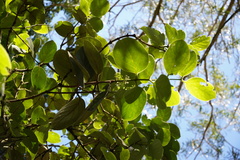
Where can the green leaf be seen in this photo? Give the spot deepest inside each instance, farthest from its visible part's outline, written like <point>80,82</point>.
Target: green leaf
<point>30,142</point>
<point>96,23</point>
<point>79,15</point>
<point>130,55</point>
<point>38,77</point>
<point>156,149</point>
<point>42,134</point>
<point>47,52</point>
<point>176,57</point>
<point>99,7</point>
<point>91,107</point>
<point>107,154</point>
<point>67,68</point>
<point>21,41</point>
<point>157,38</point>
<point>64,28</point>
<point>200,43</point>
<point>132,103</point>
<point>191,64</point>
<point>5,62</point>
<point>147,73</point>
<point>175,132</point>
<point>174,98</point>
<point>173,34</point>
<point>162,88</point>
<point>53,137</point>
<point>68,114</point>
<point>41,29</point>
<point>200,89</point>
<point>85,6</point>
<point>93,57</point>
<point>164,114</point>
<point>137,138</point>
<point>39,116</point>
<point>125,154</point>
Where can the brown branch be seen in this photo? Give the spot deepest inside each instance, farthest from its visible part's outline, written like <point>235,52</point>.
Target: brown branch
<point>221,25</point>
<point>176,12</point>
<point>80,143</point>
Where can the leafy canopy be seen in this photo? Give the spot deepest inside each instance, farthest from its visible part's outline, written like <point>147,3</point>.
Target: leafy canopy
<point>94,93</point>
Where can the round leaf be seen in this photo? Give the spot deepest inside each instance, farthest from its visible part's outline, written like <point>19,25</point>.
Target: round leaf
<point>47,52</point>
<point>99,7</point>
<point>200,43</point>
<point>64,28</point>
<point>130,55</point>
<point>5,62</point>
<point>38,77</point>
<point>133,102</point>
<point>200,89</point>
<point>68,114</point>
<point>147,73</point>
<point>176,57</point>
<point>53,137</point>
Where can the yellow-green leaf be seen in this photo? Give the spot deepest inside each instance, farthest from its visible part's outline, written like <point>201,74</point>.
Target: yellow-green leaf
<point>5,62</point>
<point>174,98</point>
<point>200,89</point>
<point>53,137</point>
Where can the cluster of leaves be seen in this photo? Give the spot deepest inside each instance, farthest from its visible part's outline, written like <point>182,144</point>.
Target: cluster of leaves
<point>37,79</point>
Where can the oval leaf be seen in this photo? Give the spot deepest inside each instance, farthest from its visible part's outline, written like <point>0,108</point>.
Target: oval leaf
<point>162,88</point>
<point>38,77</point>
<point>68,114</point>
<point>200,89</point>
<point>64,28</point>
<point>200,43</point>
<point>173,34</point>
<point>130,55</point>
<point>147,73</point>
<point>176,57</point>
<point>99,7</point>
<point>5,62</point>
<point>133,102</point>
<point>47,52</point>
<point>191,64</point>
<point>53,137</point>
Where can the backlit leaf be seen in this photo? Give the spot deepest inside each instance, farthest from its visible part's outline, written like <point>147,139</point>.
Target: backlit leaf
<point>68,114</point>
<point>190,66</point>
<point>99,7</point>
<point>147,73</point>
<point>38,116</point>
<point>21,41</point>
<point>200,43</point>
<point>200,89</point>
<point>130,55</point>
<point>41,29</point>
<point>174,98</point>
<point>38,77</point>
<point>176,57</point>
<point>47,52</point>
<point>132,103</point>
<point>157,38</point>
<point>173,34</point>
<point>53,137</point>
<point>125,154</point>
<point>5,62</point>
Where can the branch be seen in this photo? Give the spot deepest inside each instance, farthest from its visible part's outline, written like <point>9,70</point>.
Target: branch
<point>79,142</point>
<point>221,25</point>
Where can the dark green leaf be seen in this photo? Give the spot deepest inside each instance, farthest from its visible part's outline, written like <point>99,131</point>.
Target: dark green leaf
<point>93,57</point>
<point>162,88</point>
<point>125,154</point>
<point>99,7</point>
<point>64,28</point>
<point>107,154</point>
<point>156,149</point>
<point>38,77</point>
<point>30,142</point>
<point>164,114</point>
<point>96,23</point>
<point>176,57</point>
<point>132,103</point>
<point>47,52</point>
<point>175,132</point>
<point>68,114</point>
<point>130,55</point>
<point>39,116</point>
